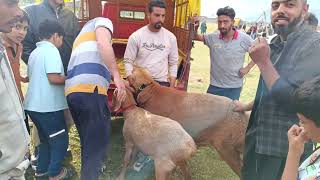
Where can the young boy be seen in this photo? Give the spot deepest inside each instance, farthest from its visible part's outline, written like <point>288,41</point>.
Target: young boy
<point>45,101</point>
<point>12,43</point>
<point>307,103</point>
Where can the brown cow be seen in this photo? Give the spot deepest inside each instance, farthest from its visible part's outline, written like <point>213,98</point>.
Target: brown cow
<point>160,137</point>
<point>209,119</point>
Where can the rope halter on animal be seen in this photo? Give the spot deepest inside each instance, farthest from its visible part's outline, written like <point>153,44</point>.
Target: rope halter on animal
<point>140,89</point>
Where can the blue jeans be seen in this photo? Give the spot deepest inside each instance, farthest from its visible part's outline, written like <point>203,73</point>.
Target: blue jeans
<point>54,140</point>
<point>232,93</point>
<point>92,118</point>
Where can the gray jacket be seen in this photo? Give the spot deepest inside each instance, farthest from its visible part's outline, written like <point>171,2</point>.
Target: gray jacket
<point>14,136</point>
<point>39,13</point>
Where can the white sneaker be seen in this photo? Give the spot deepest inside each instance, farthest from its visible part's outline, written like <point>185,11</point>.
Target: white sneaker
<point>140,163</point>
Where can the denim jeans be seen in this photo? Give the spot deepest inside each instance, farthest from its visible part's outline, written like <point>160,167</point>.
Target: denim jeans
<point>54,140</point>
<point>232,93</point>
<point>92,118</point>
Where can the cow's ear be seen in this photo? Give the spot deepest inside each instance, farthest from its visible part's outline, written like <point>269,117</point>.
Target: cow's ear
<point>131,81</point>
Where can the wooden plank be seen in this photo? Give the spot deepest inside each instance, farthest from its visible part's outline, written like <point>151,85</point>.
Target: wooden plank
<point>130,2</point>
<point>95,9</point>
<point>169,20</point>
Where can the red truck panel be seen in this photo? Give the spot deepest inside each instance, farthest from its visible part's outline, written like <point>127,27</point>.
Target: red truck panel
<point>123,27</point>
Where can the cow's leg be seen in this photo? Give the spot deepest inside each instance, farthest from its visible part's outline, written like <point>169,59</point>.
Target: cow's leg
<point>163,168</point>
<point>185,170</point>
<point>229,154</point>
<point>127,157</point>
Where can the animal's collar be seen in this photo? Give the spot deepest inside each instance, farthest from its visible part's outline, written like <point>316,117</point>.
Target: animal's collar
<point>142,87</point>
<point>128,107</point>
<point>125,108</point>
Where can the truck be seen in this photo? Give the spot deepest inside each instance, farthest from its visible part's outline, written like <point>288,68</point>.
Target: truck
<point>128,16</point>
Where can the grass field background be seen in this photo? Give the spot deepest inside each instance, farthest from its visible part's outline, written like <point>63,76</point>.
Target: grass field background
<point>206,165</point>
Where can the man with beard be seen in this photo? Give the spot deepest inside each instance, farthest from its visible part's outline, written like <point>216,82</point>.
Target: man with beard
<point>153,47</point>
<point>227,54</point>
<point>292,58</point>
<point>14,136</point>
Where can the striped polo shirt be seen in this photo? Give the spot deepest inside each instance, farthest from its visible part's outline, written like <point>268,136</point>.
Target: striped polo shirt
<point>86,69</point>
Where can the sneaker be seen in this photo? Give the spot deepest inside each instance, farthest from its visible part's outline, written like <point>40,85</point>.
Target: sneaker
<point>34,163</point>
<point>40,176</point>
<point>141,162</point>
<point>142,168</point>
<point>64,174</point>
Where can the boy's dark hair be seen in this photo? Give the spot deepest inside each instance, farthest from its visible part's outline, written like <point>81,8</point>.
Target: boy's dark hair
<point>156,3</point>
<point>24,17</point>
<point>48,27</point>
<point>312,19</point>
<point>307,100</point>
<point>226,11</point>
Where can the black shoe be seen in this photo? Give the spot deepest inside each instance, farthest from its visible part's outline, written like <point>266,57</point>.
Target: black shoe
<point>69,154</point>
<point>68,158</point>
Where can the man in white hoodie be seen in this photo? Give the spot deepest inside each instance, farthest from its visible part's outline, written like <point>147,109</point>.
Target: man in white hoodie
<point>153,47</point>
<point>14,136</point>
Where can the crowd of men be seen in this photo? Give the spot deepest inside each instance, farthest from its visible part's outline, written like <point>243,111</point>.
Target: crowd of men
<point>70,69</point>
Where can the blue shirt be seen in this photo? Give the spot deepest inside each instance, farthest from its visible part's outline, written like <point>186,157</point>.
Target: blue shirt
<point>43,96</point>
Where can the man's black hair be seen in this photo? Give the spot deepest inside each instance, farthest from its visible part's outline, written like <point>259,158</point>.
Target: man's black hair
<point>24,17</point>
<point>226,11</point>
<point>156,3</point>
<point>48,27</point>
<point>307,100</point>
<point>312,19</point>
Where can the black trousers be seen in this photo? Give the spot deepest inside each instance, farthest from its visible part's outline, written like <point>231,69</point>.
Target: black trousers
<point>92,119</point>
<point>260,166</point>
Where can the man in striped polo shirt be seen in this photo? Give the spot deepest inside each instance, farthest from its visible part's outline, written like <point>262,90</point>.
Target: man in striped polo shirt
<point>91,66</point>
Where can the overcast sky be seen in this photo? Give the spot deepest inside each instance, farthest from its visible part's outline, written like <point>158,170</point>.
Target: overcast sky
<point>249,10</point>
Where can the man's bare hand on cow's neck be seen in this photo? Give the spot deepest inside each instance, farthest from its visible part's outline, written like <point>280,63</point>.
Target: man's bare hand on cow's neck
<point>242,107</point>
<point>121,89</point>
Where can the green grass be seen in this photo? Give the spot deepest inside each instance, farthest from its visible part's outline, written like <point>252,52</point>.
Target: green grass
<point>206,165</point>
